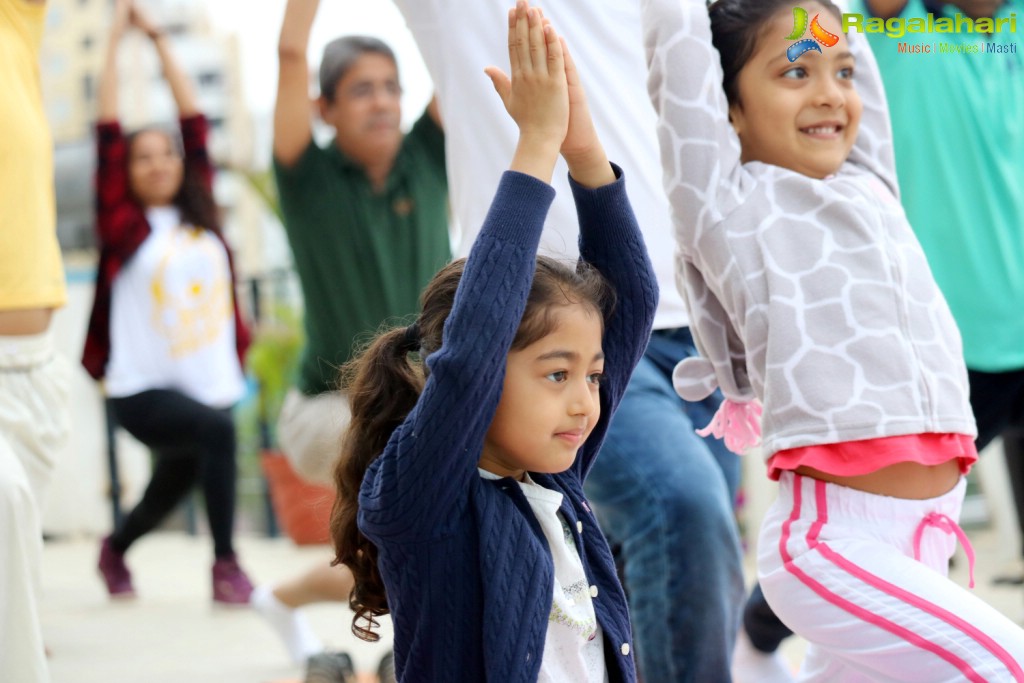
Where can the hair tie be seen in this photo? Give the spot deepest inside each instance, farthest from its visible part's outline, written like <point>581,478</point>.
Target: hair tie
<point>411,338</point>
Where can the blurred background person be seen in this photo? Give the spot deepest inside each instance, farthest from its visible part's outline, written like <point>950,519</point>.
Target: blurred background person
<point>367,220</point>
<point>165,334</point>
<point>34,382</point>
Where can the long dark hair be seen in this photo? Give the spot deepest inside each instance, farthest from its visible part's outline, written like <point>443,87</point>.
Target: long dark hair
<point>736,27</point>
<point>194,198</point>
<point>386,379</point>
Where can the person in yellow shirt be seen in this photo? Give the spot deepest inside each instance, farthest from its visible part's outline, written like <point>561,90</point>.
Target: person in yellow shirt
<point>33,379</point>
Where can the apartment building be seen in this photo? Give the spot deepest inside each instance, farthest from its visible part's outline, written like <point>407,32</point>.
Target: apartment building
<point>72,57</point>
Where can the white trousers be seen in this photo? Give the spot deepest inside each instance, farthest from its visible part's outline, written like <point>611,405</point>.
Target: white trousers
<point>838,567</point>
<point>310,429</point>
<point>34,423</point>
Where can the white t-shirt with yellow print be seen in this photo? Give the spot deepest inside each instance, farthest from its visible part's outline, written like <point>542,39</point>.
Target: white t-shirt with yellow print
<point>171,317</point>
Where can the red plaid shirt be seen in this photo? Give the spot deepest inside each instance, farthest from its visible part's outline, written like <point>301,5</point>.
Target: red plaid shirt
<point>122,227</point>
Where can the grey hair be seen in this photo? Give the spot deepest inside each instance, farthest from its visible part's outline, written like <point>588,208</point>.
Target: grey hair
<point>341,53</point>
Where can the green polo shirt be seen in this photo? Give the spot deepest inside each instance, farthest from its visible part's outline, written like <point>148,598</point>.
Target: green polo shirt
<point>958,127</point>
<point>362,256</point>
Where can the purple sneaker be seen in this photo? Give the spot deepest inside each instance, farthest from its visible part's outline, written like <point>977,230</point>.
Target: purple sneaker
<point>115,572</point>
<point>230,584</point>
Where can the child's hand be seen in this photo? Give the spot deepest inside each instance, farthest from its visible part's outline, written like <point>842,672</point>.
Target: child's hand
<point>581,136</point>
<point>536,96</point>
<point>582,149</point>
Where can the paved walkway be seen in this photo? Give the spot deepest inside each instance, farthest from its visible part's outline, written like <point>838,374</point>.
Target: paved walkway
<point>171,633</point>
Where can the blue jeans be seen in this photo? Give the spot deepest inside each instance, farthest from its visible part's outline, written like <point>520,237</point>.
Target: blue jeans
<point>665,496</point>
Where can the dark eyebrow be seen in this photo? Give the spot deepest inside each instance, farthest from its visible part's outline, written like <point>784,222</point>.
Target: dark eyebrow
<point>566,355</point>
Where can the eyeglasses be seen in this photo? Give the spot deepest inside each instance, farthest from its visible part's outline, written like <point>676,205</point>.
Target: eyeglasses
<point>366,90</point>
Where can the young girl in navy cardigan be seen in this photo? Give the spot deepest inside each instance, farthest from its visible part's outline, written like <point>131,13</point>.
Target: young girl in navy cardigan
<point>461,509</point>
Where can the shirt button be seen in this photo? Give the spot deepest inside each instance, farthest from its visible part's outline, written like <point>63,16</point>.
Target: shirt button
<point>624,649</point>
<point>593,591</point>
<point>579,527</point>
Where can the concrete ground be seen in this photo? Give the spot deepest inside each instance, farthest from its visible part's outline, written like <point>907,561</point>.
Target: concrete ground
<point>172,633</point>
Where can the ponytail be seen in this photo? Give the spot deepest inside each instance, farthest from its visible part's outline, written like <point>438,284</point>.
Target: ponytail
<point>384,384</point>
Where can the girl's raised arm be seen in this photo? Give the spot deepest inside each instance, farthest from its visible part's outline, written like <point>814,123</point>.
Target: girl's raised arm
<point>179,82</point>
<point>194,127</point>
<point>116,214</point>
<point>106,94</point>
<point>611,242</point>
<point>700,153</point>
<point>421,482</point>
<point>873,147</point>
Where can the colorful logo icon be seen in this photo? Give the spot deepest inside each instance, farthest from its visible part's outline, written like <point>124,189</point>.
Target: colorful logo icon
<point>818,35</point>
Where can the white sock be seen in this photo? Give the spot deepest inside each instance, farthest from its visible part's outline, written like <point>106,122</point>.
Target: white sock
<point>750,665</point>
<point>290,624</point>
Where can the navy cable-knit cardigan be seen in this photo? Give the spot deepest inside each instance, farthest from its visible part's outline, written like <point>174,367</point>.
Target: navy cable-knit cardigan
<point>468,572</point>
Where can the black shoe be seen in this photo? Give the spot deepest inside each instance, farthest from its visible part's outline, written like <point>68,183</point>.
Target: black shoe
<point>330,667</point>
<point>386,670</point>
<point>1010,579</point>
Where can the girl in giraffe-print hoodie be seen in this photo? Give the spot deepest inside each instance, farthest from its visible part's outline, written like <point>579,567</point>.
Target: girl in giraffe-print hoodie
<point>811,299</point>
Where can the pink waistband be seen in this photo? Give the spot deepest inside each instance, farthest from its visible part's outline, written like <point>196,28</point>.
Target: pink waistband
<point>855,458</point>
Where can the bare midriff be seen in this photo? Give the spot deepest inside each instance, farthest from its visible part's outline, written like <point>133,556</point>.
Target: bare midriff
<point>23,321</point>
<point>909,480</point>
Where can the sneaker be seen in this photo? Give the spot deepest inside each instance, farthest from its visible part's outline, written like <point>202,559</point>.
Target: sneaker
<point>115,572</point>
<point>230,584</point>
<point>1011,574</point>
<point>330,667</point>
<point>386,669</point>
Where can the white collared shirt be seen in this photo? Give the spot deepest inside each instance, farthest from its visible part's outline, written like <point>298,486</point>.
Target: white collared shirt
<point>574,646</point>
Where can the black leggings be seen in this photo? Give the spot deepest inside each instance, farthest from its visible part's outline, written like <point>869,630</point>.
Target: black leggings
<point>997,399</point>
<point>192,442</point>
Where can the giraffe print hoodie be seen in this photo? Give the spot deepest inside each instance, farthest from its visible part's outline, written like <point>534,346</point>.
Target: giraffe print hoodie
<point>812,297</point>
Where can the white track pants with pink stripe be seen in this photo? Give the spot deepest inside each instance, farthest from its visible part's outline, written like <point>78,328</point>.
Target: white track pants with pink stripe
<point>837,566</point>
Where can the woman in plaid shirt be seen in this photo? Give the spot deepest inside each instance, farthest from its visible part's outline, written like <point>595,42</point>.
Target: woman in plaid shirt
<point>165,335</point>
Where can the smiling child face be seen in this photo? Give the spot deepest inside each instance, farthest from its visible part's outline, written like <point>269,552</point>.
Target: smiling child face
<point>801,115</point>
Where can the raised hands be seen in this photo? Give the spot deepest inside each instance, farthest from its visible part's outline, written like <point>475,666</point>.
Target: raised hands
<point>545,97</point>
<point>141,21</point>
<point>582,149</point>
<point>128,14</point>
<point>537,94</point>
<point>106,94</point>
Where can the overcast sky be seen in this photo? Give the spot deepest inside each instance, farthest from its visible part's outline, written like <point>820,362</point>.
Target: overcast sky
<point>258,23</point>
